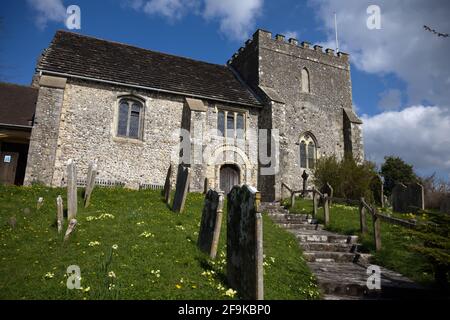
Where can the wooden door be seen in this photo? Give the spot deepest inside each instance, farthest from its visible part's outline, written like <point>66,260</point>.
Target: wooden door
<point>229,177</point>
<point>8,167</point>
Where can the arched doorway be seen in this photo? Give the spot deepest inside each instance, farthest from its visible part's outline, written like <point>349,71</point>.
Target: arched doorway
<point>229,177</point>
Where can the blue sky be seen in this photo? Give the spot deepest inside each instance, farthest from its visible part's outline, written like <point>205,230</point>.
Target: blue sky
<point>389,89</point>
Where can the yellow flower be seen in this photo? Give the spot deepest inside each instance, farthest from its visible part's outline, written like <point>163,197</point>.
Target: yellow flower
<point>178,286</point>
<point>115,247</point>
<point>230,293</point>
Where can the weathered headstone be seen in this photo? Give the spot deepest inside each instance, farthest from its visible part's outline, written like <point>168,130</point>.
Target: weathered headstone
<point>90,182</point>
<point>12,222</point>
<point>208,237</point>
<point>168,185</point>
<point>40,203</point>
<point>71,190</point>
<point>305,177</point>
<point>60,213</point>
<point>245,243</point>
<point>408,198</point>
<point>70,229</point>
<point>445,205</point>
<point>182,187</point>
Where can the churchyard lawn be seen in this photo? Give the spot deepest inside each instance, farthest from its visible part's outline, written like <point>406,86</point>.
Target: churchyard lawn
<point>128,245</point>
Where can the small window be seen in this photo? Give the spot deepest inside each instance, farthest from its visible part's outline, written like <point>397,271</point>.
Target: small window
<point>230,125</point>
<point>303,157</point>
<point>221,123</point>
<point>240,126</point>
<point>130,119</point>
<point>311,155</point>
<point>305,81</point>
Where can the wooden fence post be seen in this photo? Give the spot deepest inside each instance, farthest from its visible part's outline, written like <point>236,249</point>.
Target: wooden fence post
<point>326,209</point>
<point>362,217</point>
<point>376,230</point>
<point>315,203</point>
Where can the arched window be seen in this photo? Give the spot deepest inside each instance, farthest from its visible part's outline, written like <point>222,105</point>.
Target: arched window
<point>130,119</point>
<point>305,81</point>
<point>303,157</point>
<point>311,155</point>
<point>308,151</point>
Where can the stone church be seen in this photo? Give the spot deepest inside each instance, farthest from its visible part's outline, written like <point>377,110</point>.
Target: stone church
<point>121,105</point>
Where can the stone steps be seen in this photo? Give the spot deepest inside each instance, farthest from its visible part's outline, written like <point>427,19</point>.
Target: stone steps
<point>341,270</point>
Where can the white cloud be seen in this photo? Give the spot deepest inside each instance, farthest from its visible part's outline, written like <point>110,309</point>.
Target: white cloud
<point>48,11</point>
<point>236,17</point>
<point>401,47</point>
<point>390,100</point>
<point>419,135</point>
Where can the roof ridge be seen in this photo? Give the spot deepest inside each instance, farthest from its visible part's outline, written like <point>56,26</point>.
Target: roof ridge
<point>61,31</point>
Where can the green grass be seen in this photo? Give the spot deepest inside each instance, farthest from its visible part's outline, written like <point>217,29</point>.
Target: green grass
<point>394,254</point>
<point>149,237</point>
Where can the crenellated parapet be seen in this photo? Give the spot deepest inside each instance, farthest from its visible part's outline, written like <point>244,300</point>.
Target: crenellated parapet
<point>262,36</point>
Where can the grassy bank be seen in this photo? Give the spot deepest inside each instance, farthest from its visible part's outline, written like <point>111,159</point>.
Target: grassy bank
<point>129,245</point>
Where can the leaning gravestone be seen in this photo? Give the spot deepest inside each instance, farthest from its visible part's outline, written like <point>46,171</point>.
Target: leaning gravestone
<point>167,185</point>
<point>71,190</point>
<point>245,243</point>
<point>70,229</point>
<point>182,187</point>
<point>208,237</point>
<point>416,196</point>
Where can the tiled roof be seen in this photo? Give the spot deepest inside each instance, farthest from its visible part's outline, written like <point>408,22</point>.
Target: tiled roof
<point>17,104</point>
<point>78,55</point>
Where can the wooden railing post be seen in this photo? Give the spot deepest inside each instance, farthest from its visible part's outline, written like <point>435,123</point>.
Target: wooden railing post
<point>326,209</point>
<point>362,217</point>
<point>315,203</point>
<point>376,230</point>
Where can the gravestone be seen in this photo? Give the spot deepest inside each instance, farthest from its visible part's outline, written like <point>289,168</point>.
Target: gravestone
<point>167,185</point>
<point>445,205</point>
<point>40,203</point>
<point>245,243</point>
<point>182,187</point>
<point>59,213</point>
<point>90,182</point>
<point>70,228</point>
<point>71,190</point>
<point>205,186</point>
<point>328,189</point>
<point>408,198</point>
<point>208,237</point>
<point>305,177</point>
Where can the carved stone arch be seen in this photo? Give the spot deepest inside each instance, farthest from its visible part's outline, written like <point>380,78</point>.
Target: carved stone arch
<point>308,134</point>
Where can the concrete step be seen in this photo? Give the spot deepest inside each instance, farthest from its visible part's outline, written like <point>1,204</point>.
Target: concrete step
<point>330,256</point>
<point>301,226</point>
<point>323,236</point>
<point>329,246</point>
<point>350,279</point>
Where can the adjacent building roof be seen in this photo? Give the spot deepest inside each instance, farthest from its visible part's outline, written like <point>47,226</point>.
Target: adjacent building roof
<point>82,56</point>
<point>17,104</point>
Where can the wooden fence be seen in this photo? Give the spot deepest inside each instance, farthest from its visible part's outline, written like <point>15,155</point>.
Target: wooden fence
<point>364,208</point>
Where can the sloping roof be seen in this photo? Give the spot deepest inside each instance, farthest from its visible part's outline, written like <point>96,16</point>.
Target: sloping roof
<point>272,94</point>
<point>352,117</point>
<point>17,104</point>
<point>83,56</point>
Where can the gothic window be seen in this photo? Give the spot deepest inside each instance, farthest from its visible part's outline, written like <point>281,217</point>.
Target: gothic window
<point>311,155</point>
<point>308,151</point>
<point>230,125</point>
<point>130,118</point>
<point>305,81</point>
<point>303,163</point>
<point>240,126</point>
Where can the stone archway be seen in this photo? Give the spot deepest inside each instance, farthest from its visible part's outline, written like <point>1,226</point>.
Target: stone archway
<point>230,176</point>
